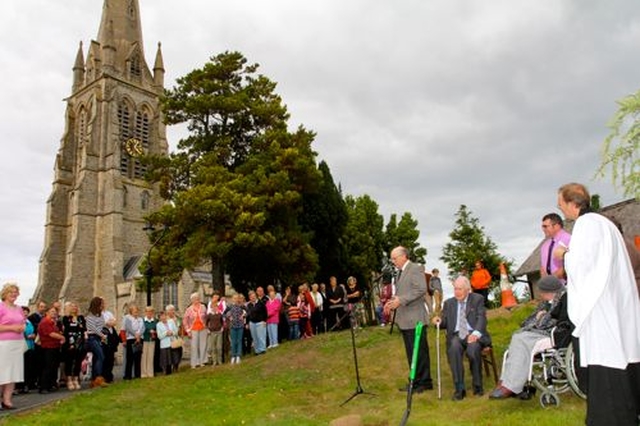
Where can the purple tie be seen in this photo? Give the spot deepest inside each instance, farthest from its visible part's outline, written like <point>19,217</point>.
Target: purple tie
<point>549,256</point>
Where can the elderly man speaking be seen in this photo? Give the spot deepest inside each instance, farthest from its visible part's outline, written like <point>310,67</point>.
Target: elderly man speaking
<point>410,308</point>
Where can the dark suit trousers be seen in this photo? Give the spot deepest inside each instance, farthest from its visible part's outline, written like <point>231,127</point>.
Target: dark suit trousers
<point>423,369</point>
<point>455,353</point>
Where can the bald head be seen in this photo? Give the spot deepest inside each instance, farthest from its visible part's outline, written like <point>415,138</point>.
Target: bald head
<point>399,256</point>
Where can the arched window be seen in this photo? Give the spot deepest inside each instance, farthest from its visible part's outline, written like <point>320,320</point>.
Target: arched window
<point>81,137</point>
<point>124,123</point>
<point>170,294</point>
<point>135,67</point>
<point>133,124</point>
<point>141,132</point>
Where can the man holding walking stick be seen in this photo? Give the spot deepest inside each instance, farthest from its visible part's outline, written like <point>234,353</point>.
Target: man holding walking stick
<point>464,318</point>
<point>409,309</point>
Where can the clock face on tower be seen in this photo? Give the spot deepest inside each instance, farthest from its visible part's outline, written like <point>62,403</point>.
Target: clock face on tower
<point>133,146</point>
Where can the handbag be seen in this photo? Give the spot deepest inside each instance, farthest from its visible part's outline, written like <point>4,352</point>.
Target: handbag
<point>136,347</point>
<point>176,343</point>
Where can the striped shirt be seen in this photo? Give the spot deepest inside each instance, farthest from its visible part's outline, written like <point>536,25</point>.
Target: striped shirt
<point>95,324</point>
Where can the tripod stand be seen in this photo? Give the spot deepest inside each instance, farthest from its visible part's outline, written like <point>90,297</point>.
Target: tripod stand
<point>359,389</point>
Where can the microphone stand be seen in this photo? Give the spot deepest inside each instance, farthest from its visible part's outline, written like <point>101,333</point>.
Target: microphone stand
<point>359,390</point>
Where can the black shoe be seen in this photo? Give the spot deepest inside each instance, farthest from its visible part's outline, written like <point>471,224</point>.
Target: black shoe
<point>43,391</point>
<point>419,389</point>
<point>422,388</point>
<point>428,386</point>
<point>459,395</point>
<point>8,407</point>
<point>477,391</point>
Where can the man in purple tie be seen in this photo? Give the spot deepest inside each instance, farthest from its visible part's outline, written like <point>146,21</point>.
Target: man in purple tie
<point>556,238</point>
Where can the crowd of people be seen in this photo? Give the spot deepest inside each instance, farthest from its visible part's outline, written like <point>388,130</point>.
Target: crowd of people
<point>57,345</point>
<point>588,289</point>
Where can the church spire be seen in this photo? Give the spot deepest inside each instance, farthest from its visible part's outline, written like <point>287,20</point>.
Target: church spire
<point>78,70</point>
<point>120,23</point>
<point>158,68</point>
<point>120,36</point>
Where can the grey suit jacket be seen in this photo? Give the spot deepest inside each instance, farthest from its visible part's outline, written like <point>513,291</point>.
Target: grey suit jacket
<point>476,317</point>
<point>410,290</point>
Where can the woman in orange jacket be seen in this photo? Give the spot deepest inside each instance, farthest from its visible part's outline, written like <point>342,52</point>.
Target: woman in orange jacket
<point>480,281</point>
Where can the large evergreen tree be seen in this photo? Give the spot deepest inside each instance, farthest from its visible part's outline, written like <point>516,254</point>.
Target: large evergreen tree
<point>469,244</point>
<point>236,183</point>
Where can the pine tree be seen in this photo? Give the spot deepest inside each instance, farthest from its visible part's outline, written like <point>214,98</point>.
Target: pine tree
<point>236,183</point>
<point>469,244</point>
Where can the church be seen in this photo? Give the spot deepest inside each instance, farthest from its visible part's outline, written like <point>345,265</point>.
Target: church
<point>95,236</point>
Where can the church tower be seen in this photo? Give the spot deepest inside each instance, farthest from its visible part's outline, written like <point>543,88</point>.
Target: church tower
<point>94,236</point>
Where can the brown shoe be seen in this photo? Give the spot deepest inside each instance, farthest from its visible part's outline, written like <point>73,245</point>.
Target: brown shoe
<point>501,393</point>
<point>99,382</point>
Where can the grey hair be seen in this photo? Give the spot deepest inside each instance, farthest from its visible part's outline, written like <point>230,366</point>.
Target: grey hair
<point>464,280</point>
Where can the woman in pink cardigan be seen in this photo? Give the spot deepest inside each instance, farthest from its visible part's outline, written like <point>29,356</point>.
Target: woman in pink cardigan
<point>194,320</point>
<point>273,318</point>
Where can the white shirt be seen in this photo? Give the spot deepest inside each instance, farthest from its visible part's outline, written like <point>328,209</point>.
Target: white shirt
<point>602,295</point>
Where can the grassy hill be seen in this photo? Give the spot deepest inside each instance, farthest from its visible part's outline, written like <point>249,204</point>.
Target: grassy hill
<point>305,383</point>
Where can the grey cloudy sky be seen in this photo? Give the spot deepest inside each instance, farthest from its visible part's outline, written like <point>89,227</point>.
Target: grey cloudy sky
<point>423,105</point>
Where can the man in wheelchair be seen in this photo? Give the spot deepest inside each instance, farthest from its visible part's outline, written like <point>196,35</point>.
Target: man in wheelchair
<point>533,336</point>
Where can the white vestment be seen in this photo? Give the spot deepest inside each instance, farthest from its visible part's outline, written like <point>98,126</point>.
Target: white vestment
<point>602,294</point>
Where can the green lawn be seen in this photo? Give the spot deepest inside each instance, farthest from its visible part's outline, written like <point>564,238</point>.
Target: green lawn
<point>304,383</point>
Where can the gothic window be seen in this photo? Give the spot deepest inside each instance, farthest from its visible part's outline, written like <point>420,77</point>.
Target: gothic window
<point>81,137</point>
<point>170,294</point>
<point>135,69</point>
<point>82,127</point>
<point>124,120</point>
<point>144,200</point>
<point>141,132</point>
<point>133,124</point>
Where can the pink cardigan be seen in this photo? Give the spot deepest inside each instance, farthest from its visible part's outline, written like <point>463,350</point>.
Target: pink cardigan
<point>273,311</point>
<point>190,317</point>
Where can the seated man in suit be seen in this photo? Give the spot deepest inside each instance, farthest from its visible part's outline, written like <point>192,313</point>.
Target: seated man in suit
<point>466,334</point>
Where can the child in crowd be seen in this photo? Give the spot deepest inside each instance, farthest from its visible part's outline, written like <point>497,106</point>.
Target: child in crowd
<point>294,322</point>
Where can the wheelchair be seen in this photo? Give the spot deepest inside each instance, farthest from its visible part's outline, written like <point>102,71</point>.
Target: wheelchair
<point>552,372</point>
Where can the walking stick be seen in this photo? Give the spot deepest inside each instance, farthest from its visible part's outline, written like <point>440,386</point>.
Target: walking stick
<point>393,322</point>
<point>438,360</point>
<point>412,372</point>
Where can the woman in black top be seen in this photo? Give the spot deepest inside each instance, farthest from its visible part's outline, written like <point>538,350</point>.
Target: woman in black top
<point>74,329</point>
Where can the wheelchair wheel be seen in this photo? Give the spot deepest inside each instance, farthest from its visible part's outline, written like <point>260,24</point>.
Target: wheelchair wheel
<point>555,380</point>
<point>570,365</point>
<point>548,399</point>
